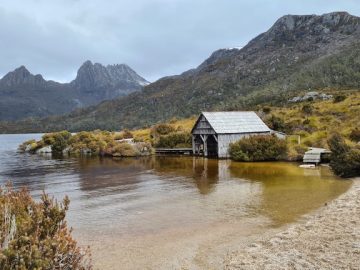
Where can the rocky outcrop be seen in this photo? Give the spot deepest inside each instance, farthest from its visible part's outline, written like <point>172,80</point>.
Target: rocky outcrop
<point>44,150</point>
<point>309,96</point>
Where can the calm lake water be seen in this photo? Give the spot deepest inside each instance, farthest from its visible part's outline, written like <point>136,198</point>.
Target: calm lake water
<point>124,208</point>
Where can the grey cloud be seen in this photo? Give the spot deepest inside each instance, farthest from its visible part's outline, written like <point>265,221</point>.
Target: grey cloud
<point>155,37</point>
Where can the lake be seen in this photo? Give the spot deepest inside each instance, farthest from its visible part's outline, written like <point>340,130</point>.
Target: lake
<point>169,212</point>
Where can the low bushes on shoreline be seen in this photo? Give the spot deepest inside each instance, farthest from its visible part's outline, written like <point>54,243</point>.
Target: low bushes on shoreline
<point>166,136</point>
<point>34,235</point>
<point>345,160</point>
<point>259,148</point>
<point>98,142</point>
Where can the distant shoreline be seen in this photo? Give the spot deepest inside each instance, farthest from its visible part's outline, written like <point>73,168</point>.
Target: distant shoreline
<point>326,239</point>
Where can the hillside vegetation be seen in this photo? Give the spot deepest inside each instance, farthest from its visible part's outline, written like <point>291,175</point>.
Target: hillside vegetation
<point>313,121</point>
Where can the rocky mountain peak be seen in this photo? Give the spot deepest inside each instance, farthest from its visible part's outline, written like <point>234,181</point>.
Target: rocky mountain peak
<point>301,25</point>
<point>21,76</point>
<point>96,75</point>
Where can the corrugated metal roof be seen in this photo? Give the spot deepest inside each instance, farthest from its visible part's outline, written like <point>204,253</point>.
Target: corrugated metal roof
<point>235,122</point>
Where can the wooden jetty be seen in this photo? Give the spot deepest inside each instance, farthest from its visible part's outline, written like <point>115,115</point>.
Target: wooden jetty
<point>174,151</point>
<point>315,155</point>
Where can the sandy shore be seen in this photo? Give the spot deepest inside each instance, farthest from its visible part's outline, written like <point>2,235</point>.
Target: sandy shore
<point>327,239</point>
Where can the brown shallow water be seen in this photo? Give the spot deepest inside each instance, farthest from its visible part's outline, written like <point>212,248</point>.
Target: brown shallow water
<point>170,212</point>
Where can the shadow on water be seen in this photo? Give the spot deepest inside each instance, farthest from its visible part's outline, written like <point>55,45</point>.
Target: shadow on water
<point>111,174</point>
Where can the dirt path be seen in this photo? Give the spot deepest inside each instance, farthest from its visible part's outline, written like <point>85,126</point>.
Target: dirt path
<point>328,239</point>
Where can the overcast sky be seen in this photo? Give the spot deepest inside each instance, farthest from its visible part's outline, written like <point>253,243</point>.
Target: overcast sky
<point>155,37</point>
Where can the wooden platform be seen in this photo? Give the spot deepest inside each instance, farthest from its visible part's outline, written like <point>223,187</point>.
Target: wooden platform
<point>173,151</point>
<point>314,155</point>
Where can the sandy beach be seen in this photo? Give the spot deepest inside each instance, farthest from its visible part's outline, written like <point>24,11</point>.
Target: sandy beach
<point>326,239</point>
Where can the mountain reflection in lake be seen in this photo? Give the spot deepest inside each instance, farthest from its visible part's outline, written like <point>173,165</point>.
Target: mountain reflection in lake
<point>112,199</point>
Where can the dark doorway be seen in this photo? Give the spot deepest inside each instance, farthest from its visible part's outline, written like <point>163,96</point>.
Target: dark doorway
<point>212,146</point>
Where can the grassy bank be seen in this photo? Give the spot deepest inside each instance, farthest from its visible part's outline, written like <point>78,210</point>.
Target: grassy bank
<point>104,143</point>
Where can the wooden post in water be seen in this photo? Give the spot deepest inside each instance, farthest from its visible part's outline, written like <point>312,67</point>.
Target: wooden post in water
<point>205,146</point>
<point>204,139</point>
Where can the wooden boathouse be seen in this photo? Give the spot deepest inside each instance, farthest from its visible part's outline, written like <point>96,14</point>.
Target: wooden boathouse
<point>213,132</point>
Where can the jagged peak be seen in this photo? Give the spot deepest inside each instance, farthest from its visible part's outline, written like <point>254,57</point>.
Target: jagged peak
<point>21,70</point>
<point>97,75</point>
<point>90,64</point>
<point>22,67</point>
<point>21,75</point>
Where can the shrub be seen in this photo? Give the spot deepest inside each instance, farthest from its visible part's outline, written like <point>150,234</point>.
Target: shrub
<point>345,161</point>
<point>174,140</point>
<point>85,142</point>
<point>124,150</point>
<point>306,121</point>
<point>127,134</point>
<point>355,135</point>
<point>34,235</point>
<point>161,129</point>
<point>339,98</point>
<point>118,136</point>
<point>36,146</point>
<point>25,145</point>
<point>258,148</point>
<point>276,123</point>
<point>144,148</point>
<point>60,141</point>
<point>307,109</point>
<point>266,110</point>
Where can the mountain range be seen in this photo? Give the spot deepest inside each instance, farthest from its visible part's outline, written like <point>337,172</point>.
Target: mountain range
<point>23,94</point>
<point>298,53</point>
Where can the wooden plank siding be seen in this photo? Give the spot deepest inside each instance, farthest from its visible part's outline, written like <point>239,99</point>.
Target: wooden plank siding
<point>202,127</point>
